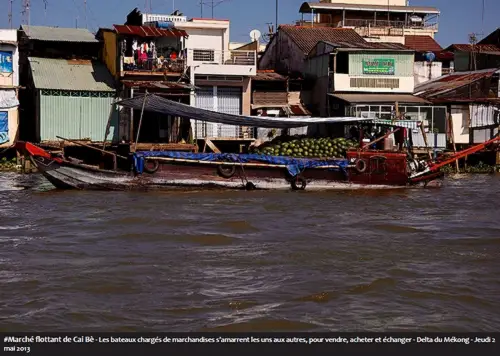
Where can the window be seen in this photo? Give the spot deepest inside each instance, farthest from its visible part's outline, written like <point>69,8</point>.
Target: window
<point>204,55</point>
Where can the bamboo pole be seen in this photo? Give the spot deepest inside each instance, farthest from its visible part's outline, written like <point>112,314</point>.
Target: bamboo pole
<point>452,134</point>
<point>167,159</point>
<point>76,142</point>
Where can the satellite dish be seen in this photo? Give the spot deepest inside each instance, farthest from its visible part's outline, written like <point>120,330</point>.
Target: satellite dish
<point>255,35</point>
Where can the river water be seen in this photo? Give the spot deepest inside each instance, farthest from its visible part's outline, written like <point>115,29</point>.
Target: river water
<point>378,260</point>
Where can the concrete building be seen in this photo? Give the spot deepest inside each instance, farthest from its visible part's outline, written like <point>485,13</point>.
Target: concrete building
<point>9,86</point>
<point>374,20</point>
<point>221,76</point>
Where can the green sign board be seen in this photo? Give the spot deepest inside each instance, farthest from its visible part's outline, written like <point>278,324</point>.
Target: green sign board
<point>383,66</point>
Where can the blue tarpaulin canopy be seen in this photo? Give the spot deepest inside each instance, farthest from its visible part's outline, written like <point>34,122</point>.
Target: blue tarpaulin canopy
<point>293,165</point>
<point>161,105</point>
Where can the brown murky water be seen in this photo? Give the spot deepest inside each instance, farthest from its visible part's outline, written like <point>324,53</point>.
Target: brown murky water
<point>250,261</point>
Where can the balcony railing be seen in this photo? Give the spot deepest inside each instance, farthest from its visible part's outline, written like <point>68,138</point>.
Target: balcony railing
<point>154,65</point>
<point>386,23</point>
<point>209,56</point>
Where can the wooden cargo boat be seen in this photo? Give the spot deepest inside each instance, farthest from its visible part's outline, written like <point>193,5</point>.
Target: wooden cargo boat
<point>165,170</point>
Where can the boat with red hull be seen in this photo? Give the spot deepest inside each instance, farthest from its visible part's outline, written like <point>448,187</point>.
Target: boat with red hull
<point>166,170</point>
<point>362,166</point>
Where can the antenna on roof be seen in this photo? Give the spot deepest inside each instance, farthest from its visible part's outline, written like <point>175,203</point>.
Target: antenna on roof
<point>10,13</point>
<point>85,12</point>
<point>26,13</point>
<point>45,3</point>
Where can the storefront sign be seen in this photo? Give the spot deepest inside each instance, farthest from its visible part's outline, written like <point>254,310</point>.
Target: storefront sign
<point>6,62</point>
<point>382,66</point>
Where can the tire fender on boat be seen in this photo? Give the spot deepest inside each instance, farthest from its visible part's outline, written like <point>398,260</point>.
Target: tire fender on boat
<point>361,165</point>
<point>226,171</point>
<point>151,170</point>
<point>299,183</point>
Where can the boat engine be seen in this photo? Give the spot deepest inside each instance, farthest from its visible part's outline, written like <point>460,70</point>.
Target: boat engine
<point>415,166</point>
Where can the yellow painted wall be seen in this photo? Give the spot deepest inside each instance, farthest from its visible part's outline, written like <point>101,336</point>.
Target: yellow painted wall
<point>110,54</point>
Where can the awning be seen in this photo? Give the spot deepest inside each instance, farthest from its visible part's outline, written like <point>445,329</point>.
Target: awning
<point>168,107</point>
<point>149,31</point>
<point>8,99</point>
<point>380,98</point>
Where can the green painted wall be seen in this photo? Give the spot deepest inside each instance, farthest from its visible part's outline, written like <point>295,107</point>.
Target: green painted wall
<point>76,115</point>
<point>403,63</point>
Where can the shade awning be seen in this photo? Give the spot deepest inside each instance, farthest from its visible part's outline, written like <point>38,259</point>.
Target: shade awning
<point>149,31</point>
<point>380,98</point>
<point>164,106</point>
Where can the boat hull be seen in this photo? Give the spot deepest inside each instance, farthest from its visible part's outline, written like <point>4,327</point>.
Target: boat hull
<point>172,175</point>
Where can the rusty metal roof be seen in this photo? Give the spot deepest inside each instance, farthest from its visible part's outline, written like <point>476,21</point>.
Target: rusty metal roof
<point>149,31</point>
<point>307,7</point>
<point>154,84</point>
<point>269,75</point>
<point>422,44</point>
<point>451,82</point>
<point>481,48</point>
<point>306,37</point>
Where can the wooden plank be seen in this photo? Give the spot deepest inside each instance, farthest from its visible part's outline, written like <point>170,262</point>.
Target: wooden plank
<point>212,146</point>
<point>450,122</point>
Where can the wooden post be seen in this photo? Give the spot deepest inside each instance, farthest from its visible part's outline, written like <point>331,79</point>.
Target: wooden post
<point>452,134</point>
<point>131,128</point>
<point>425,139</point>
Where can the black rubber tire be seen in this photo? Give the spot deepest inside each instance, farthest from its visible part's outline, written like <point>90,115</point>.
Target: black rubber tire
<point>299,183</point>
<point>361,166</point>
<point>226,171</point>
<point>250,186</point>
<point>151,170</point>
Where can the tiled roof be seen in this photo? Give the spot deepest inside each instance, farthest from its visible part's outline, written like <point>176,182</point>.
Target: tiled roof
<point>483,48</point>
<point>306,37</point>
<point>58,34</point>
<point>149,31</point>
<point>422,44</point>
<point>78,75</point>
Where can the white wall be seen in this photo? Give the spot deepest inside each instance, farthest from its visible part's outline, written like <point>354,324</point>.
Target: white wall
<point>368,2</point>
<point>425,71</point>
<point>11,36</point>
<point>206,39</point>
<point>342,82</point>
<point>460,118</point>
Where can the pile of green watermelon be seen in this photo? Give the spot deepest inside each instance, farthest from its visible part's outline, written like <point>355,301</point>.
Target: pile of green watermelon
<point>304,147</point>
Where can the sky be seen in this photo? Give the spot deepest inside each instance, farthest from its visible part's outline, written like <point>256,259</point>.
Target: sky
<point>458,18</point>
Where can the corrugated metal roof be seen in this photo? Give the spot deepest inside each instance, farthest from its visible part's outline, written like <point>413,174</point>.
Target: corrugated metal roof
<point>323,7</point>
<point>481,48</point>
<point>149,31</point>
<point>65,74</point>
<point>380,98</point>
<point>422,44</point>
<point>451,82</point>
<point>306,37</point>
<point>58,34</point>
